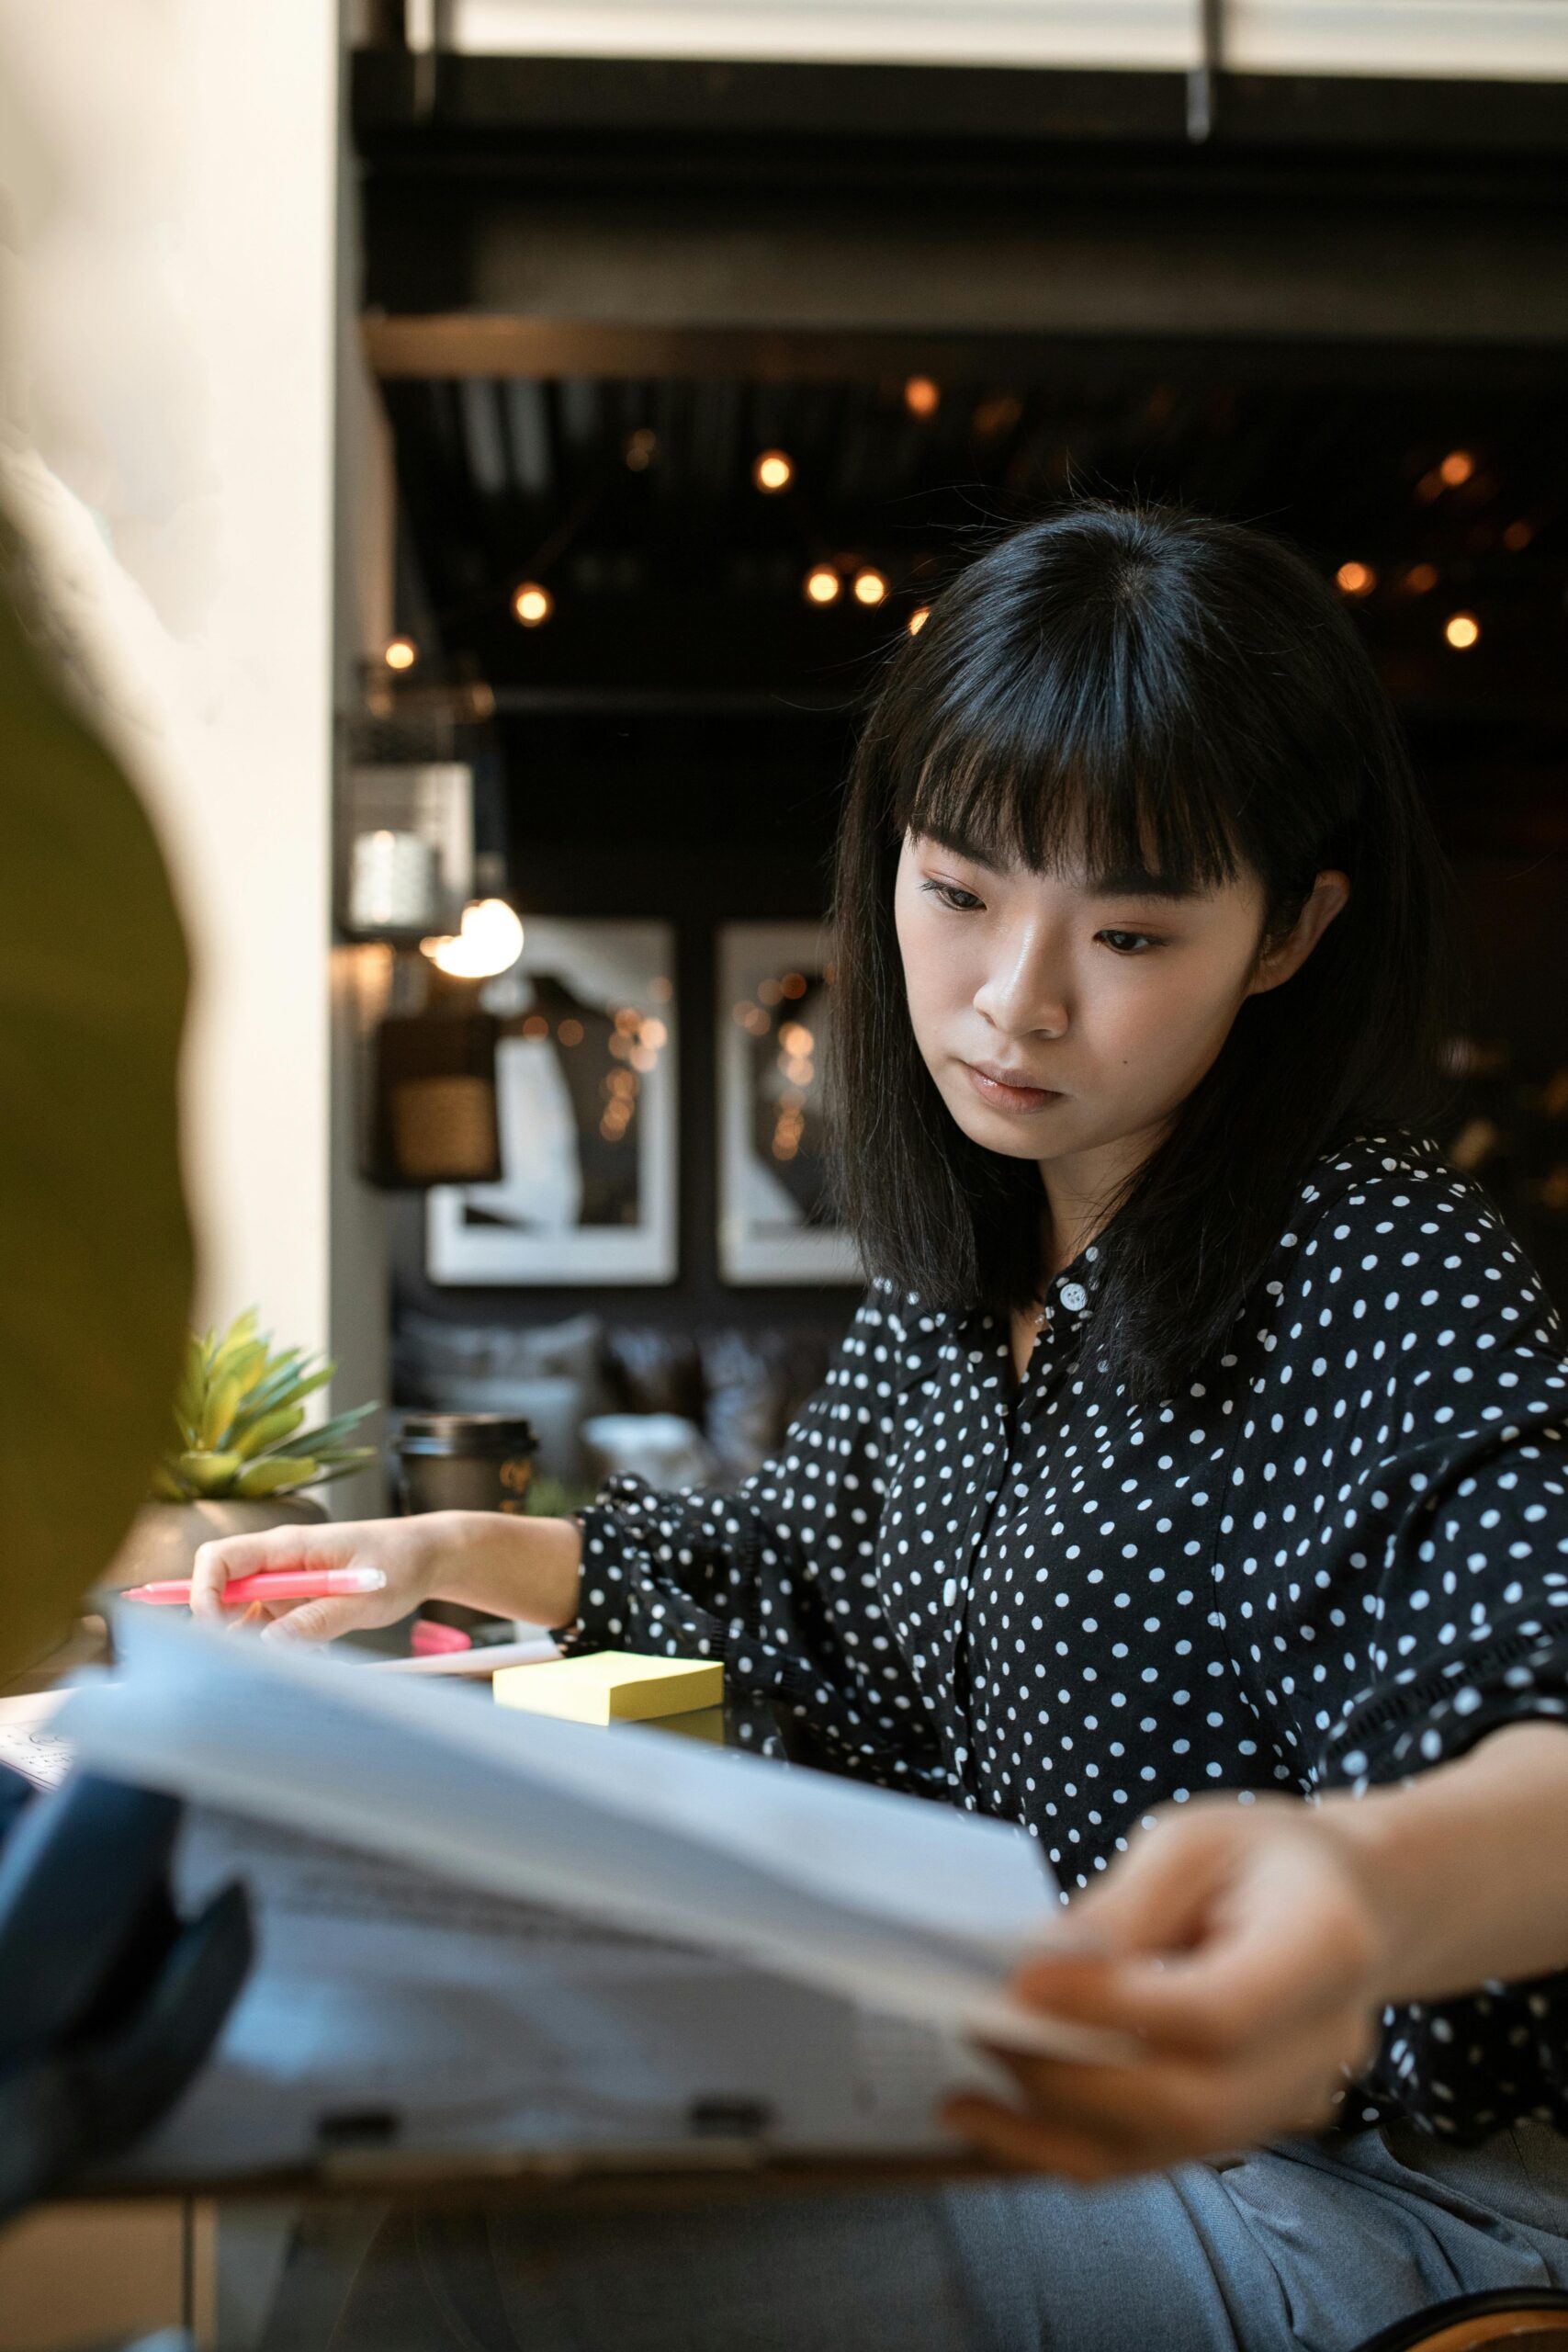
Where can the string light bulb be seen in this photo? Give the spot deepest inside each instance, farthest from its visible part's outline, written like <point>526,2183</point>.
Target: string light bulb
<point>1420,578</point>
<point>1356,578</point>
<point>772,472</point>
<point>1456,468</point>
<point>822,584</point>
<point>1462,630</point>
<point>921,396</point>
<point>400,653</point>
<point>869,585</point>
<point>917,619</point>
<point>489,940</point>
<point>533,605</point>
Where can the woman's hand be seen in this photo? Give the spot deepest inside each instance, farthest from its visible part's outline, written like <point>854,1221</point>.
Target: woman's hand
<point>513,1567</point>
<point>1243,1947</point>
<point>407,1552</point>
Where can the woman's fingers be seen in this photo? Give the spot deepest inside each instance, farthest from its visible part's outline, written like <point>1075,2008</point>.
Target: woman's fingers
<point>217,1563</point>
<point>317,1620</point>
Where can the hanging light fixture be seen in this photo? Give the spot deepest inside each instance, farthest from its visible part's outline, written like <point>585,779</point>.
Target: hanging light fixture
<point>532,604</point>
<point>489,940</point>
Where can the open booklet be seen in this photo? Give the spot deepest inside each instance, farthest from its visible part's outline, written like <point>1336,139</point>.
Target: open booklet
<point>500,1929</point>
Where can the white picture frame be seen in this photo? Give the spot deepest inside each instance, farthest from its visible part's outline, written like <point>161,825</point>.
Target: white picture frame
<point>580,1200</point>
<point>769,1228</point>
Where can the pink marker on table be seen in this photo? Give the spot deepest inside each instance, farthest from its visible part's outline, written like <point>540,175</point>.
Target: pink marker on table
<point>268,1584</point>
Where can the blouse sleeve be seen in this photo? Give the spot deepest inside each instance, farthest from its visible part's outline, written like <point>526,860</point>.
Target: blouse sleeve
<point>1418,1594</point>
<point>778,1578</point>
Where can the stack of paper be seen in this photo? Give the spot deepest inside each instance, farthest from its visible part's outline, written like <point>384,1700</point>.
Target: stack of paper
<point>745,1872</point>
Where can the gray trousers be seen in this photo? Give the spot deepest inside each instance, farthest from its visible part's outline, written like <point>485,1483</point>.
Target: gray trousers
<point>1303,2243</point>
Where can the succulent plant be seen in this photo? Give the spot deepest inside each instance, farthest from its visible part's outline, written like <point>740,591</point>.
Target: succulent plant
<point>238,1422</point>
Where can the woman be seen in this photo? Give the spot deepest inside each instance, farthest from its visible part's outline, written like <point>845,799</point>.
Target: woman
<point>1198,1449</point>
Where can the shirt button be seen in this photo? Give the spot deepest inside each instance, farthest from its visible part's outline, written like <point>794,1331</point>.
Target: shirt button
<point>1074,1295</point>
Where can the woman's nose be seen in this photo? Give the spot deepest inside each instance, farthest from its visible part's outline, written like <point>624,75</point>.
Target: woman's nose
<point>1025,993</point>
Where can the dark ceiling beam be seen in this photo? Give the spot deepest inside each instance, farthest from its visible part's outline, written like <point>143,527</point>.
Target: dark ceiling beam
<point>450,345</point>
<point>687,200</point>
<point>482,106</point>
<point>1116,267</point>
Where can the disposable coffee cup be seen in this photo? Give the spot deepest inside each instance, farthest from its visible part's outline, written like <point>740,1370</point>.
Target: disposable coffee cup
<point>466,1462</point>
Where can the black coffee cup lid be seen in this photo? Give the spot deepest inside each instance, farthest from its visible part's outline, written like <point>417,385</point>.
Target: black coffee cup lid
<point>466,1433</point>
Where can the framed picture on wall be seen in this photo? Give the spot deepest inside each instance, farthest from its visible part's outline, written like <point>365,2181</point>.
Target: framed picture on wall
<point>586,1106</point>
<point>774,1223</point>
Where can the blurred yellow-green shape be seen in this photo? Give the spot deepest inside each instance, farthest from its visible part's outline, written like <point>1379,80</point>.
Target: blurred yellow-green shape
<point>95,1255</point>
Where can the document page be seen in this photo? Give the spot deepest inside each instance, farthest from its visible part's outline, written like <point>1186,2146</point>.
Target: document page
<point>392,2014</point>
<point>916,1908</point>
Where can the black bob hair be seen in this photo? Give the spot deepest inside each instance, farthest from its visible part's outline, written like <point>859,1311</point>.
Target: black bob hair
<point>1147,690</point>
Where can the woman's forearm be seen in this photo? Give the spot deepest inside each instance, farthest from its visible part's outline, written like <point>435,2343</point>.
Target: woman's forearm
<point>513,1567</point>
<point>1468,1863</point>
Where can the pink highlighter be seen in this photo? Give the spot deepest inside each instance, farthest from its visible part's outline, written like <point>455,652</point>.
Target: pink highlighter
<point>268,1584</point>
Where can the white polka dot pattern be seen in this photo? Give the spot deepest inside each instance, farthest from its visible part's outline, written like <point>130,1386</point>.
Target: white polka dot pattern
<point>1341,1556</point>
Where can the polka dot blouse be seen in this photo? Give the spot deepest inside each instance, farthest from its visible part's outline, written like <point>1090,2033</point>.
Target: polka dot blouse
<point>1339,1558</point>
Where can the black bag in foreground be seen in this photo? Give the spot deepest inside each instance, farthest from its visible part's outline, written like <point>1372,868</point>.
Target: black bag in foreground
<point>109,2000</point>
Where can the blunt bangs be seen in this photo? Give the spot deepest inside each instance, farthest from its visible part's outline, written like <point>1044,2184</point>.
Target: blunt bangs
<point>1139,696</point>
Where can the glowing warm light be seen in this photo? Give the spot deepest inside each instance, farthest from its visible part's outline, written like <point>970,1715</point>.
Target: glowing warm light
<point>1356,578</point>
<point>642,448</point>
<point>917,619</point>
<point>769,992</point>
<point>400,653</point>
<point>1456,467</point>
<point>773,470</point>
<point>661,990</point>
<point>654,1034</point>
<point>792,985</point>
<point>1518,534</point>
<point>822,584</point>
<point>489,940</point>
<point>1462,630</point>
<point>921,397</point>
<point>1420,578</point>
<point>569,1032</point>
<point>535,1025</point>
<point>870,586</point>
<point>533,605</point>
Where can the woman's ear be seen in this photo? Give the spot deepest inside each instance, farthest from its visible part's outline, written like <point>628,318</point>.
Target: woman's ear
<point>1328,894</point>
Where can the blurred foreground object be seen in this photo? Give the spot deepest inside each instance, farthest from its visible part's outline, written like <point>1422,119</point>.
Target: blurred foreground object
<point>95,1254</point>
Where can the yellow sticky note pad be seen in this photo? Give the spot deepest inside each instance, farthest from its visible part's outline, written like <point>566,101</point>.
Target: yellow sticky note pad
<point>612,1687</point>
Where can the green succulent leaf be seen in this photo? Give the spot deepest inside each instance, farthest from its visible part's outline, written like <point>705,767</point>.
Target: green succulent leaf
<point>268,1431</point>
<point>328,1432</point>
<point>209,1475</point>
<point>256,1480</point>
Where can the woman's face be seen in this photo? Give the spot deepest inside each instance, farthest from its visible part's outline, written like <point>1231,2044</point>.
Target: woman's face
<point>1060,1017</point>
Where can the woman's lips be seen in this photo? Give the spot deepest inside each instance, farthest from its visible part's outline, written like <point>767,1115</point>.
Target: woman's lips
<point>1007,1097</point>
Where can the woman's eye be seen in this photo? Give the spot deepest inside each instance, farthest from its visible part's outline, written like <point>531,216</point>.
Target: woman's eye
<point>1120,941</point>
<point>950,895</point>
